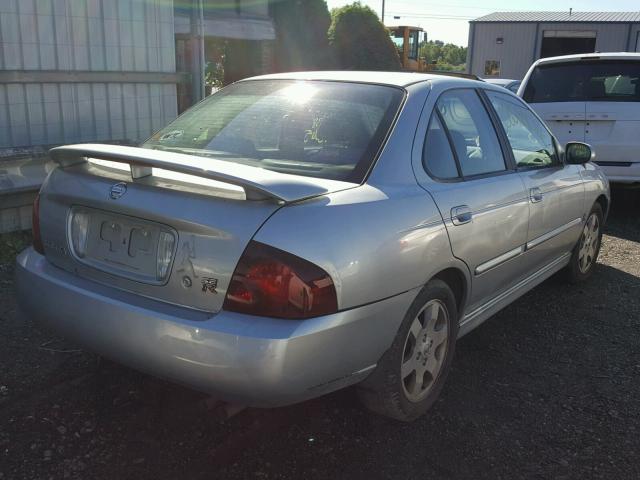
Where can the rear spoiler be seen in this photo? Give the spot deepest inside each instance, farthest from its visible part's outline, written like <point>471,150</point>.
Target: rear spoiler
<point>258,183</point>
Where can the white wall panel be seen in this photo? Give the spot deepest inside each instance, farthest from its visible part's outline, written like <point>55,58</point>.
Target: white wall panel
<point>634,39</point>
<point>85,35</point>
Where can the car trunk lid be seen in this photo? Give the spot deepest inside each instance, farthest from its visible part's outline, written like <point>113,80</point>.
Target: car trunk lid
<point>139,205</point>
<point>567,120</point>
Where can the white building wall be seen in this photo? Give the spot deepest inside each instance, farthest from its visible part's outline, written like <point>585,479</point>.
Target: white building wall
<point>515,54</point>
<point>634,38</point>
<point>115,36</point>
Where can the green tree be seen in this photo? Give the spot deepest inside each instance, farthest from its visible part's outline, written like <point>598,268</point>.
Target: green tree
<point>360,41</point>
<point>446,56</point>
<point>301,35</point>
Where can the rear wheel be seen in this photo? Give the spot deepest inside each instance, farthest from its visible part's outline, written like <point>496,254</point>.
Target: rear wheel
<point>411,374</point>
<point>586,251</point>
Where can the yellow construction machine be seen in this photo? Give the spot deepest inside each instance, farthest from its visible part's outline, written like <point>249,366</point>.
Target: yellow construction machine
<point>407,40</point>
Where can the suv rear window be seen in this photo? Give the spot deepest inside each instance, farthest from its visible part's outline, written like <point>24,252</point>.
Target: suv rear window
<point>593,81</point>
<point>314,128</point>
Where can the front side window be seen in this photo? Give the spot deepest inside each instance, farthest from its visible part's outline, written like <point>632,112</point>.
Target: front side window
<point>397,37</point>
<point>319,129</point>
<point>413,44</point>
<point>593,81</point>
<point>531,143</point>
<point>471,131</point>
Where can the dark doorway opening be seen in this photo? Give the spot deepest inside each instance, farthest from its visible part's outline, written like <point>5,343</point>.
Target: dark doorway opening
<point>555,46</point>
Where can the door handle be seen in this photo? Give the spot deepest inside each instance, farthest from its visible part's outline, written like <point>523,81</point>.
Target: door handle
<point>461,215</point>
<point>535,194</point>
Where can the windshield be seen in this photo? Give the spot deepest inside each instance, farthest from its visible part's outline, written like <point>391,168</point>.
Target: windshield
<point>593,81</point>
<point>320,129</point>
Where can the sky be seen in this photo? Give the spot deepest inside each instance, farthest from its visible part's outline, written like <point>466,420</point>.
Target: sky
<point>449,21</point>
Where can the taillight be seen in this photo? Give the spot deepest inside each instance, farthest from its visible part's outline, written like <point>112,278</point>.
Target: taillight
<point>273,283</point>
<point>35,226</point>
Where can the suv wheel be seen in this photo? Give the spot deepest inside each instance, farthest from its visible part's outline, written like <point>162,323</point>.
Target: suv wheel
<point>411,374</point>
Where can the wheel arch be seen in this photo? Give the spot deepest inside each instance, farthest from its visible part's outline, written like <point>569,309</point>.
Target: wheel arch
<point>604,203</point>
<point>458,283</point>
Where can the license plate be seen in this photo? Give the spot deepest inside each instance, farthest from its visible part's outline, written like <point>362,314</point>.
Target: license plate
<point>123,245</point>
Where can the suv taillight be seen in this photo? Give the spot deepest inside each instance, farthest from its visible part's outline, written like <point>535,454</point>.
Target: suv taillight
<point>273,283</point>
<point>35,226</point>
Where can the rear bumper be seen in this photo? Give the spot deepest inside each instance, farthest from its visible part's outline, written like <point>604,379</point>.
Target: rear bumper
<point>620,174</point>
<point>250,360</point>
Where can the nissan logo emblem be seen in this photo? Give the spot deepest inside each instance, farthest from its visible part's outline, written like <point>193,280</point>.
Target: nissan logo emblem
<point>118,190</point>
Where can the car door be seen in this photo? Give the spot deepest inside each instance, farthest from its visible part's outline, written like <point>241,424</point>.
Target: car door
<point>480,196</point>
<point>555,190</point>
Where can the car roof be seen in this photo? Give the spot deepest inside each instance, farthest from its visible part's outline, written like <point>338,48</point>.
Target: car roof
<point>396,79</point>
<point>590,56</point>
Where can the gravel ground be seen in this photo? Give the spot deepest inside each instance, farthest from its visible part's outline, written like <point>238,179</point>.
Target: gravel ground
<point>548,388</point>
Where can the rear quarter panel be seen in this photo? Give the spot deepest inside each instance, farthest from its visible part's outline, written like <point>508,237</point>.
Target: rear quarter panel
<point>375,244</point>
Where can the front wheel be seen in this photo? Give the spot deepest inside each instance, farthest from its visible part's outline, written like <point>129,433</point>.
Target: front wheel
<point>411,374</point>
<point>586,251</point>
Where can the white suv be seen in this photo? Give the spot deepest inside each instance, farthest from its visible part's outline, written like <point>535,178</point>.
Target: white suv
<point>592,98</point>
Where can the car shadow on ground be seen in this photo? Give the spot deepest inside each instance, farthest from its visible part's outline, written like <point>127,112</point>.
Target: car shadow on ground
<point>624,215</point>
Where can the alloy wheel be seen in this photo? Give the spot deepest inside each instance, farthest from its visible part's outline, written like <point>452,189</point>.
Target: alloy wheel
<point>589,243</point>
<point>424,350</point>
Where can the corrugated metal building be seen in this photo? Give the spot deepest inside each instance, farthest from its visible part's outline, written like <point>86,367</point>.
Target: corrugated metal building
<point>104,71</point>
<point>77,71</point>
<point>85,70</point>
<point>504,44</point>
<point>96,70</point>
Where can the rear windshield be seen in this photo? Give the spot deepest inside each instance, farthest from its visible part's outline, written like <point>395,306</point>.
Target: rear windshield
<point>593,81</point>
<point>314,128</point>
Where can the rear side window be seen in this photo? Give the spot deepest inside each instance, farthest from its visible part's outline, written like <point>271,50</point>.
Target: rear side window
<point>437,156</point>
<point>471,131</point>
<point>531,143</point>
<point>593,81</point>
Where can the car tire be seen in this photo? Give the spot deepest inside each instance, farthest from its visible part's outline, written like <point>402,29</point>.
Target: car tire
<point>410,375</point>
<point>585,253</point>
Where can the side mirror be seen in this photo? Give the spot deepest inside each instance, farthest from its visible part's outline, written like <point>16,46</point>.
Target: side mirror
<point>578,153</point>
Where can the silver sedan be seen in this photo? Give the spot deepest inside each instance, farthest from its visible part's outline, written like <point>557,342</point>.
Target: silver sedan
<point>296,234</point>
